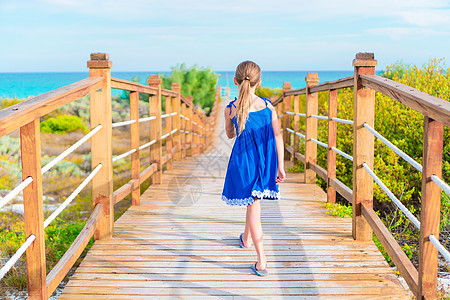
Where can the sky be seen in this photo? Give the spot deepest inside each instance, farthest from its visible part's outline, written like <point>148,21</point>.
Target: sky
<point>284,35</point>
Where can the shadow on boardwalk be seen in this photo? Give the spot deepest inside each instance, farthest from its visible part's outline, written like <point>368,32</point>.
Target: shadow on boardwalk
<point>182,242</point>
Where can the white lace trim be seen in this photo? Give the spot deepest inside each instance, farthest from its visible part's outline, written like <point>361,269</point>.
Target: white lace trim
<point>249,200</point>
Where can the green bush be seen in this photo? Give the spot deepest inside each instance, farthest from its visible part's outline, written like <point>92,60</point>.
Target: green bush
<point>196,82</point>
<point>58,238</point>
<point>404,128</point>
<point>63,124</point>
<point>7,102</point>
<point>266,92</point>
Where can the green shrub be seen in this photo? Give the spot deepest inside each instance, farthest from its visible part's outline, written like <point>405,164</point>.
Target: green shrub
<point>7,102</point>
<point>58,238</point>
<point>266,92</point>
<point>63,124</point>
<point>196,82</point>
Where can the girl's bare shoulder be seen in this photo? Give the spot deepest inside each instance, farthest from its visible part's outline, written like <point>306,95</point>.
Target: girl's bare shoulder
<point>272,108</point>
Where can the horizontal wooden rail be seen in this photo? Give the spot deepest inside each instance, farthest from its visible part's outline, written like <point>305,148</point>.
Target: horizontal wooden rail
<point>333,85</point>
<point>365,83</point>
<point>301,91</point>
<point>428,105</point>
<point>341,188</point>
<point>24,112</point>
<point>319,170</point>
<point>100,225</point>
<point>132,86</point>
<point>395,252</point>
<point>66,262</point>
<point>300,157</point>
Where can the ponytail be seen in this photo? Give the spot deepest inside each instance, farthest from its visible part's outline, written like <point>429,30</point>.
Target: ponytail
<point>243,104</point>
<point>247,75</point>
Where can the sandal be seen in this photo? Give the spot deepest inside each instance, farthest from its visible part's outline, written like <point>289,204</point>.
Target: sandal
<point>259,272</point>
<point>241,242</point>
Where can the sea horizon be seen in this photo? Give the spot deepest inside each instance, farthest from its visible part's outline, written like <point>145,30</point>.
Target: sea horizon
<point>29,84</point>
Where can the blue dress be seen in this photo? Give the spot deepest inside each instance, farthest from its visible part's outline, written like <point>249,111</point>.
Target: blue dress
<point>252,168</point>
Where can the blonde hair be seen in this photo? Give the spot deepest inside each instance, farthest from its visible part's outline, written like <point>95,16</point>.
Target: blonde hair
<point>247,76</point>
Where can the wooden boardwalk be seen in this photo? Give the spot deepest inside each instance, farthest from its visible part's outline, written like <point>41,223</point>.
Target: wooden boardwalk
<point>182,242</point>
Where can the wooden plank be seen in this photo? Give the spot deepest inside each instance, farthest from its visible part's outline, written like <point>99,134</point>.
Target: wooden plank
<point>331,155</point>
<point>202,290</point>
<point>225,297</point>
<point>183,127</point>
<point>318,170</point>
<point>295,92</point>
<point>192,251</point>
<point>395,252</point>
<point>227,284</point>
<point>341,188</point>
<point>289,149</point>
<point>176,102</point>
<point>168,129</point>
<point>135,161</point>
<point>125,190</point>
<point>363,146</point>
<point>127,85</point>
<point>433,137</point>
<point>428,105</point>
<point>30,147</point>
<point>144,175</point>
<point>156,128</point>
<point>312,107</point>
<point>296,128</point>
<point>333,85</point>
<point>287,120</point>
<point>101,147</point>
<point>300,157</point>
<point>275,101</point>
<point>19,115</point>
<point>190,127</point>
<point>66,262</point>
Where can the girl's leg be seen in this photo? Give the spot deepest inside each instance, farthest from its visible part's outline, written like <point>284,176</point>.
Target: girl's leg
<point>254,212</point>
<point>247,237</point>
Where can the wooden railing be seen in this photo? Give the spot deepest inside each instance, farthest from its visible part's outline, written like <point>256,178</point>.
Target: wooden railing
<point>187,132</point>
<point>422,282</point>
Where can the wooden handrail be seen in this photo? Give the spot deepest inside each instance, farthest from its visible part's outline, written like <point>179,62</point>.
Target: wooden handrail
<point>436,113</point>
<point>333,85</point>
<point>131,86</point>
<point>66,262</point>
<point>100,224</point>
<point>395,252</point>
<point>24,112</point>
<point>421,102</point>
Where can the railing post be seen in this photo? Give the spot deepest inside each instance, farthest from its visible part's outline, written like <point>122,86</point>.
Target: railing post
<point>183,134</point>
<point>135,162</point>
<point>433,136</point>
<point>190,127</point>
<point>30,144</point>
<point>176,87</point>
<point>312,107</point>
<point>196,149</point>
<point>286,120</point>
<point>101,153</point>
<point>332,131</point>
<point>168,104</point>
<point>156,127</point>
<point>363,141</point>
<point>296,127</point>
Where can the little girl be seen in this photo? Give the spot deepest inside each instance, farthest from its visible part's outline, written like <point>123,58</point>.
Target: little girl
<point>256,164</point>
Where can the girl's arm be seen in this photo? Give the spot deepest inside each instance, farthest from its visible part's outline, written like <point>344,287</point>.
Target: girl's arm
<point>281,175</point>
<point>229,126</point>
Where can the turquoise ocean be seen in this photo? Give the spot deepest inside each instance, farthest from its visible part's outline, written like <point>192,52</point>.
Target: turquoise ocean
<point>24,85</point>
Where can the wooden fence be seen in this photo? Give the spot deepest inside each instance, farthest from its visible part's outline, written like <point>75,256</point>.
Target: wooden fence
<point>436,112</point>
<point>187,132</point>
